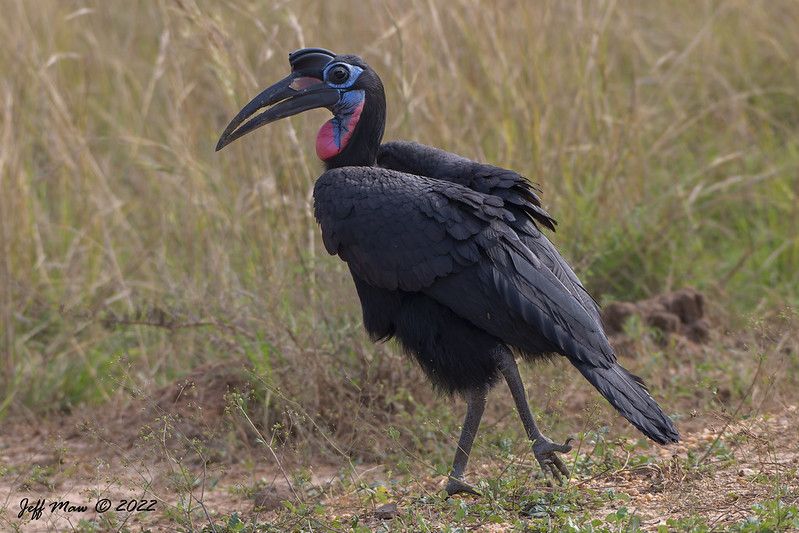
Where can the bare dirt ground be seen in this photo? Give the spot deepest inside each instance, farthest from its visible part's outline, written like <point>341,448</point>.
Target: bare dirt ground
<point>178,459</point>
<point>67,460</point>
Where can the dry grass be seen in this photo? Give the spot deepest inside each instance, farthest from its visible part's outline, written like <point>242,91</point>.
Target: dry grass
<point>665,137</point>
<point>729,476</point>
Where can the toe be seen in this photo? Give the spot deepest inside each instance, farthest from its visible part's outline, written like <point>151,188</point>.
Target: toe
<point>561,467</point>
<point>458,486</point>
<point>555,472</point>
<point>563,448</point>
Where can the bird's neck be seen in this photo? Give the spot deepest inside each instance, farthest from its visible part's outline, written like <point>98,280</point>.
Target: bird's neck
<point>352,138</point>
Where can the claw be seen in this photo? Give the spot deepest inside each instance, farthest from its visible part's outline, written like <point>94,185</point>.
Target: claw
<point>544,451</point>
<point>458,486</point>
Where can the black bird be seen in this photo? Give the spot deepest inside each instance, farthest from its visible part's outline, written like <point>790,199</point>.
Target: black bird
<point>447,256</point>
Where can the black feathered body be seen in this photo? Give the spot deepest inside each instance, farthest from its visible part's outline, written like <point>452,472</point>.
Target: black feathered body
<point>454,355</point>
<point>448,257</point>
<point>425,274</point>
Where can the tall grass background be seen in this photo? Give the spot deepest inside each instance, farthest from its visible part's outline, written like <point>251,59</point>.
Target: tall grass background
<point>663,134</point>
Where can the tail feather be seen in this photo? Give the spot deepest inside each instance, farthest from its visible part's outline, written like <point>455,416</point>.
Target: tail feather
<point>628,394</point>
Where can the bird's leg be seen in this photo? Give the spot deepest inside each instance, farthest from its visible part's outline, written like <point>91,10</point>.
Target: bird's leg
<point>475,404</point>
<point>544,449</point>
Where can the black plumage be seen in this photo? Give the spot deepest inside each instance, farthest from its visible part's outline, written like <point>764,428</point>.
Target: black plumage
<point>448,257</point>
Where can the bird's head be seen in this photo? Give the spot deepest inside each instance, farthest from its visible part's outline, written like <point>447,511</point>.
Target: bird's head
<point>344,84</point>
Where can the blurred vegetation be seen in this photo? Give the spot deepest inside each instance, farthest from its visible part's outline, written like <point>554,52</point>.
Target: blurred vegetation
<point>664,135</point>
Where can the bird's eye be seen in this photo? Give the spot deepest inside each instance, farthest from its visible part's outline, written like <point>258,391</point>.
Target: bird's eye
<point>338,74</point>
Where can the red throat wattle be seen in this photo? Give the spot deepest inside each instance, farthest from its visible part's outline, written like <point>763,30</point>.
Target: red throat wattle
<point>334,134</point>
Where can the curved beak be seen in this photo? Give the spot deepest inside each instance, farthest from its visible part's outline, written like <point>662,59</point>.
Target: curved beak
<point>291,95</point>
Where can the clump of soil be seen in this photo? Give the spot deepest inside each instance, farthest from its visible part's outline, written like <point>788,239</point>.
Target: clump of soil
<point>676,313</point>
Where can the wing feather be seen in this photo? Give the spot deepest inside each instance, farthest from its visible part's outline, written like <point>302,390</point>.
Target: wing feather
<point>507,186</point>
<point>459,246</point>
<point>517,194</point>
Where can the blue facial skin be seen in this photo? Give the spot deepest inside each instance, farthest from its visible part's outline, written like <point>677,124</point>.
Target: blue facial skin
<point>348,102</point>
<point>343,111</point>
<point>355,72</point>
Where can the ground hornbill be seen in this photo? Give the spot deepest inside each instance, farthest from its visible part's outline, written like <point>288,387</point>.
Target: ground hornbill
<point>447,256</point>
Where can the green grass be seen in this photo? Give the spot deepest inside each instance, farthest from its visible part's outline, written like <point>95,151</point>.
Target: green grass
<point>512,502</point>
<point>665,137</point>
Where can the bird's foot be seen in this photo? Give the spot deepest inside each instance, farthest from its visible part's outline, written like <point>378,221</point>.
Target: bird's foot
<point>545,450</point>
<point>458,486</point>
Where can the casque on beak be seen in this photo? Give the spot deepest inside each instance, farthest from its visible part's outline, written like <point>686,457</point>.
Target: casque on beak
<point>299,91</point>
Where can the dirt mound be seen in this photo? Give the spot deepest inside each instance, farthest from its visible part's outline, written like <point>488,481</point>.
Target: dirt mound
<point>194,407</point>
<point>203,393</point>
<point>197,405</point>
<point>676,313</point>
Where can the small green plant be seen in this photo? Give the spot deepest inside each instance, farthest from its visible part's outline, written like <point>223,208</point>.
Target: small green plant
<point>770,515</point>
